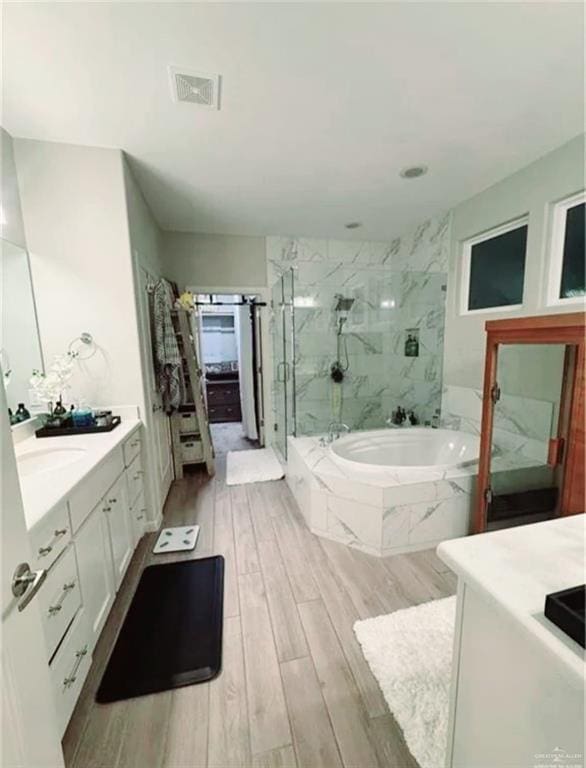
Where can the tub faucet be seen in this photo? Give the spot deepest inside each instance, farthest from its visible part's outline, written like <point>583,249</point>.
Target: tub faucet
<point>397,417</point>
<point>334,430</point>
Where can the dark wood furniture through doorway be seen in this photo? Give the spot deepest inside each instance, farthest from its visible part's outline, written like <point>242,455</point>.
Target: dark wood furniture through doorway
<point>567,447</point>
<point>223,391</point>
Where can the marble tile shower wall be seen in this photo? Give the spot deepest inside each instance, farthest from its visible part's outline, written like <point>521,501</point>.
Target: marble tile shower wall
<point>399,289</point>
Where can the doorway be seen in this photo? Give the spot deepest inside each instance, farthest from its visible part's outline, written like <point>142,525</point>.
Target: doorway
<point>231,351</point>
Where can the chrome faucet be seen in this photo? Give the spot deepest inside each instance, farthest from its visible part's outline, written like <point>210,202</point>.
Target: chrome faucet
<point>334,430</point>
<point>397,417</point>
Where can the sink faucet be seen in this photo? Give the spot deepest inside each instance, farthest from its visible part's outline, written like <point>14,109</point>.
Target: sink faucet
<point>334,430</point>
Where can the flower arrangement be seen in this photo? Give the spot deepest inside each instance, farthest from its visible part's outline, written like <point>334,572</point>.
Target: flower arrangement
<point>51,386</point>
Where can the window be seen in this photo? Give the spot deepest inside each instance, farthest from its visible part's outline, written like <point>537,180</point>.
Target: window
<point>567,271</point>
<point>213,323</point>
<point>493,269</point>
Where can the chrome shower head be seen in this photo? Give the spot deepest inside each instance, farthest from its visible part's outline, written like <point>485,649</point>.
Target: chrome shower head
<point>343,304</point>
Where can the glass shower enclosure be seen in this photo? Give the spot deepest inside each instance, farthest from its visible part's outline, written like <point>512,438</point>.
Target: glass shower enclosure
<point>283,334</point>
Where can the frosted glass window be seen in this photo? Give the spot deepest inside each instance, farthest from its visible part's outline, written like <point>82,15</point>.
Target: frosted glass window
<point>573,258</point>
<point>497,269</point>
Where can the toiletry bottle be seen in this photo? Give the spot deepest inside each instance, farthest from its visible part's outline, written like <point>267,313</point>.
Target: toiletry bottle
<point>22,414</point>
<point>435,419</point>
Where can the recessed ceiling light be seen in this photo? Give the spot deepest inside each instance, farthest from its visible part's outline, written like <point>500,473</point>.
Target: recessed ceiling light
<point>353,224</point>
<point>413,171</point>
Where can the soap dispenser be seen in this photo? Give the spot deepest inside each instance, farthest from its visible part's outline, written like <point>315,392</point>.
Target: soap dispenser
<point>21,414</point>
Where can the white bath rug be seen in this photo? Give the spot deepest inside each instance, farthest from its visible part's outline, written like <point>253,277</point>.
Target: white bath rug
<point>410,655</point>
<point>254,466</point>
<point>179,539</point>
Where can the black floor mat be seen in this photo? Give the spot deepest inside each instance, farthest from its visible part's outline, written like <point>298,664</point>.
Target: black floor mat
<point>172,633</point>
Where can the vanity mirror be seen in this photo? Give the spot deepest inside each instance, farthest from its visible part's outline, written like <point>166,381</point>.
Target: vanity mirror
<point>20,347</point>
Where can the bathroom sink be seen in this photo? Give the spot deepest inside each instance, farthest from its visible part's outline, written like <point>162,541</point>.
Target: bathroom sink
<point>47,459</point>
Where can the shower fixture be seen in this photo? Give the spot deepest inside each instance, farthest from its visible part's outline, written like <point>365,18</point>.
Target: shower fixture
<point>342,308</point>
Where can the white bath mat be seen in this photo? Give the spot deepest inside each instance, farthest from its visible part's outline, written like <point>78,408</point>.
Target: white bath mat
<point>254,466</point>
<point>410,654</point>
<point>179,539</point>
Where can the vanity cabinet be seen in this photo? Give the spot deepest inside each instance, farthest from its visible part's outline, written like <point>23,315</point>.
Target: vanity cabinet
<point>86,544</point>
<point>96,573</point>
<point>115,508</point>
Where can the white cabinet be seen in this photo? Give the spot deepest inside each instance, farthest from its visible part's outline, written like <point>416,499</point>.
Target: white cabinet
<point>94,562</point>
<point>138,518</point>
<point>86,544</point>
<point>115,508</point>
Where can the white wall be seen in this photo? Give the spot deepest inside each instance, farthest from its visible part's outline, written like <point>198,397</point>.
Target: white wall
<point>202,260</point>
<point>11,221</point>
<point>530,191</point>
<point>74,208</point>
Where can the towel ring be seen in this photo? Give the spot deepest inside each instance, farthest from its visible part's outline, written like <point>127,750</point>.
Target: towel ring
<point>82,343</point>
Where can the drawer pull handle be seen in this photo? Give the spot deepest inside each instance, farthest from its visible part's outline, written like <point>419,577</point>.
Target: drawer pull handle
<point>112,501</point>
<point>70,679</point>
<point>140,517</point>
<point>107,509</point>
<point>57,534</point>
<point>53,609</point>
<point>134,444</point>
<point>138,474</point>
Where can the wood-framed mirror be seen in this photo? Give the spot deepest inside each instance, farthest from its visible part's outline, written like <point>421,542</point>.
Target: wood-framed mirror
<point>532,443</point>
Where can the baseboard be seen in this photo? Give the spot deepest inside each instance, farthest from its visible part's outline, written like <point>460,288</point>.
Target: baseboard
<point>153,526</point>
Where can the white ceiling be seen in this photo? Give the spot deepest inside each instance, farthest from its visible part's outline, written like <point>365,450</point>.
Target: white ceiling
<point>322,103</point>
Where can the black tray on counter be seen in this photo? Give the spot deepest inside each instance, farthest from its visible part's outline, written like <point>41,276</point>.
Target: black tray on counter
<point>566,610</point>
<point>65,431</point>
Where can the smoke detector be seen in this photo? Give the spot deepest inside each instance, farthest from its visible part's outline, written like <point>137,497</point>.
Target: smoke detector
<point>194,87</point>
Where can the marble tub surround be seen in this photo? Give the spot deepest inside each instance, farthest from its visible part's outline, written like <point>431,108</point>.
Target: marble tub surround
<point>381,513</point>
<point>394,510</point>
<point>396,285</point>
<point>522,425</point>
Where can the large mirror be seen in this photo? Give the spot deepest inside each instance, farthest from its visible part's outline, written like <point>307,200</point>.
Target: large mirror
<point>20,348</point>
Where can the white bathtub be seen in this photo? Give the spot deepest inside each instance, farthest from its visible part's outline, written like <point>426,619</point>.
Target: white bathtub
<point>410,448</point>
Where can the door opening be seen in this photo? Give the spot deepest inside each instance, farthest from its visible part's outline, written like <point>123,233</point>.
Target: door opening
<point>230,339</point>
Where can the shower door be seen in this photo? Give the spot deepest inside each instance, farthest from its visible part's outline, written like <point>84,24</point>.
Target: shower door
<point>283,335</point>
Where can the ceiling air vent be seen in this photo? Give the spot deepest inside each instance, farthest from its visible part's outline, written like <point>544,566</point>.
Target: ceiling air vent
<point>188,85</point>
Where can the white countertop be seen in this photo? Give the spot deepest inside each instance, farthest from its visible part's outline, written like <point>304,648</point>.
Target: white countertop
<point>517,567</point>
<point>42,491</point>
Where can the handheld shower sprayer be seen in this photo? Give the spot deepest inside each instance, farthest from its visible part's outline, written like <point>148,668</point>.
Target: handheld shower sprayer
<point>342,308</point>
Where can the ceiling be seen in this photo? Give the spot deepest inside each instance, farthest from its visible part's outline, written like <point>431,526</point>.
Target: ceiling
<point>322,103</point>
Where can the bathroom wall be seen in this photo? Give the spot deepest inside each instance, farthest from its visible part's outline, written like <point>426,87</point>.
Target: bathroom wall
<point>397,285</point>
<point>74,207</point>
<point>214,261</point>
<point>531,190</point>
<point>11,221</point>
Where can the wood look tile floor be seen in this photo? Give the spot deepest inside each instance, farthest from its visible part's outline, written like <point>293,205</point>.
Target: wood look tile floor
<point>295,690</point>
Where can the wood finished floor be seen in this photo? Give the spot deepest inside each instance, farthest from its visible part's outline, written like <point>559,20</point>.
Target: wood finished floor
<point>295,690</point>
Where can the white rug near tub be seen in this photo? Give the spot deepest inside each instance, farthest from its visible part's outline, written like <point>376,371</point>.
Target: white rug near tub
<point>254,466</point>
<point>410,655</point>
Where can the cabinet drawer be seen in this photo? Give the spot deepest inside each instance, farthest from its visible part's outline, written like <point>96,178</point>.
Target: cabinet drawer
<point>59,599</point>
<point>220,394</point>
<point>85,497</point>
<point>69,669</point>
<point>50,537</point>
<point>134,479</point>
<point>138,518</point>
<point>131,448</point>
<point>191,450</point>
<point>187,421</point>
<point>224,413</point>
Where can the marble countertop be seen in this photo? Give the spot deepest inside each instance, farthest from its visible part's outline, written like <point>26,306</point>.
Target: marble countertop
<point>42,491</point>
<point>517,567</point>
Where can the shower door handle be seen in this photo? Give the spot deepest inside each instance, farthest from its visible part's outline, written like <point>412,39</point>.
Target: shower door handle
<point>286,373</point>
